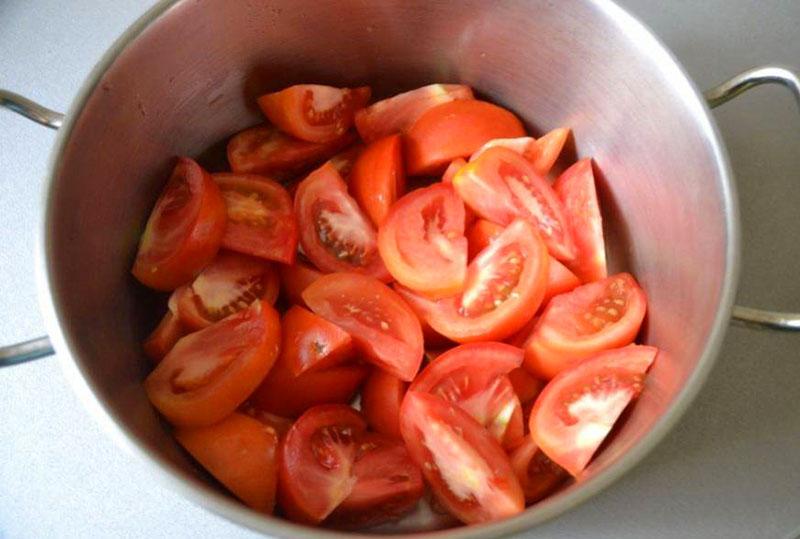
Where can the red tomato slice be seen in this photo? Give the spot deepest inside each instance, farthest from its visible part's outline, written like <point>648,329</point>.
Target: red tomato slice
<point>281,425</point>
<point>593,317</point>
<point>549,147</point>
<point>525,146</point>
<point>538,475</point>
<point>381,397</point>
<point>505,285</point>
<point>452,169</point>
<point>184,230</point>
<point>501,186</point>
<point>577,409</point>
<point>311,343</point>
<point>576,189</point>
<point>317,461</point>
<point>378,177</point>
<point>229,284</point>
<point>397,113</point>
<point>313,112</point>
<point>240,452</point>
<point>422,241</point>
<point>383,327</point>
<point>260,218</point>
<point>526,386</point>
<point>480,235</point>
<point>334,232</point>
<point>296,278</point>
<point>430,336</point>
<point>388,484</point>
<point>208,374</point>
<point>455,129</point>
<point>467,470</point>
<point>163,338</point>
<point>344,161</point>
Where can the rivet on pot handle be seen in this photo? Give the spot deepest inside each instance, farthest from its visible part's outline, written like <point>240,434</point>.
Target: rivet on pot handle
<point>40,347</point>
<point>722,94</point>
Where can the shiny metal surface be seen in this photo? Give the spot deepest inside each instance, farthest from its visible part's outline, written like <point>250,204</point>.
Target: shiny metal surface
<point>25,351</point>
<point>30,109</point>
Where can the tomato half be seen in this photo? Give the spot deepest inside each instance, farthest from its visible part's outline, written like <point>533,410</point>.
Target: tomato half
<point>451,170</point>
<point>381,397</point>
<point>577,191</point>
<point>422,241</point>
<point>593,317</point>
<point>388,484</point>
<point>211,372</point>
<point>184,230</point>
<point>526,386</point>
<point>384,328</point>
<point>378,177</point>
<point>541,154</point>
<point>465,467</point>
<point>501,186</point>
<point>313,112</point>
<point>538,475</point>
<point>296,278</point>
<point>397,113</point>
<point>334,232</point>
<point>168,331</point>
<point>505,286</point>
<point>241,453</point>
<point>260,218</point>
<point>577,409</point>
<point>312,343</point>
<point>317,458</point>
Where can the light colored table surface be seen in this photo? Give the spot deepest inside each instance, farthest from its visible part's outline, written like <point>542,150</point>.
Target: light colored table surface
<point>731,469</point>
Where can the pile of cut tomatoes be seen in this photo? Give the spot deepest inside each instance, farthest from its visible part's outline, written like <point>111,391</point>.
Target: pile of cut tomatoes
<point>389,302</point>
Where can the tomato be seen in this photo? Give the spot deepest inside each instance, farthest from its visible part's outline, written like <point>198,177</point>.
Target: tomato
<point>184,230</point>
<point>576,189</point>
<point>265,150</point>
<point>378,177</point>
<point>480,235</point>
<point>334,232</point>
<point>163,338</point>
<point>422,241</point>
<point>312,343</point>
<point>465,467</point>
<point>208,374</point>
<point>296,278</point>
<point>501,185</point>
<point>455,129</point>
<point>313,112</point>
<point>388,484</point>
<point>317,461</point>
<point>525,146</point>
<point>380,402</point>
<point>240,452</point>
<point>260,218</point>
<point>474,377</point>
<point>538,475</point>
<point>453,168</point>
<point>577,409</point>
<point>344,161</point>
<point>397,113</point>
<point>505,285</point>
<point>281,425</point>
<point>430,336</point>
<point>229,284</point>
<point>593,317</point>
<point>541,154</point>
<point>526,386</point>
<point>383,327</point>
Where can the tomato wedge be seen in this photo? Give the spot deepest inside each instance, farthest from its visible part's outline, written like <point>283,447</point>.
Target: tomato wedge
<point>480,235</point>
<point>577,409</point>
<point>576,189</point>
<point>422,241</point>
<point>344,161</point>
<point>465,467</point>
<point>209,373</point>
<point>593,317</point>
<point>229,284</point>
<point>241,453</point>
<point>164,336</point>
<point>312,343</point>
<point>378,177</point>
<point>453,168</point>
<point>260,218</point>
<point>381,397</point>
<point>334,232</point>
<point>505,286</point>
<point>383,327</point>
<point>542,153</point>
<point>455,129</point>
<point>317,461</point>
<point>538,475</point>
<point>296,278</point>
<point>281,425</point>
<point>313,112</point>
<point>526,386</point>
<point>184,230</point>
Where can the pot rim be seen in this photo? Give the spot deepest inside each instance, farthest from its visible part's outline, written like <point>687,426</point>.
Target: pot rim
<point>205,496</point>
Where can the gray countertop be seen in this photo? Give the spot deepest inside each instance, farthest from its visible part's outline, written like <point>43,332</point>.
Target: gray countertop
<point>731,469</point>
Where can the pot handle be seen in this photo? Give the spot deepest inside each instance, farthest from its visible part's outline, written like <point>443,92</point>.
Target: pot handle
<point>40,347</point>
<point>715,97</point>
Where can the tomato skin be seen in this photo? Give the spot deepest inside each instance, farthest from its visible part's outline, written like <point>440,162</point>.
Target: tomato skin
<point>344,161</point>
<point>296,278</point>
<point>378,178</point>
<point>549,147</point>
<point>452,169</point>
<point>538,475</point>
<point>164,336</point>
<point>241,453</point>
<point>526,386</point>
<point>591,318</point>
<point>208,374</point>
<point>281,425</point>
<point>381,397</point>
<point>455,129</point>
<point>480,235</point>
<point>313,112</point>
<point>190,216</point>
<point>311,343</point>
<point>577,409</point>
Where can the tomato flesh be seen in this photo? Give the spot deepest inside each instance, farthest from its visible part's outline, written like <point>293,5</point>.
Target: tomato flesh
<point>381,397</point>
<point>168,331</point>
<point>296,278</point>
<point>344,161</point>
<point>538,475</point>
<point>453,168</point>
<point>378,178</point>
<point>312,343</point>
<point>526,386</point>
<point>549,147</point>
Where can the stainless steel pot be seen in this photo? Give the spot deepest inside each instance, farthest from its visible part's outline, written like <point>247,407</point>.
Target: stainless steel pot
<point>185,76</point>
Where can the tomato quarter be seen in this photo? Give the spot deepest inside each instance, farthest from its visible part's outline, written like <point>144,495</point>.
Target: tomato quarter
<point>538,475</point>
<point>378,178</point>
<point>296,278</point>
<point>453,168</point>
<point>381,397</point>
<point>164,336</point>
<point>312,343</point>
<point>526,386</point>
